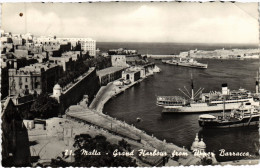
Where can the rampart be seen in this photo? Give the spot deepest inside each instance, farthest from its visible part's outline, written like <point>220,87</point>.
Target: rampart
<point>87,85</point>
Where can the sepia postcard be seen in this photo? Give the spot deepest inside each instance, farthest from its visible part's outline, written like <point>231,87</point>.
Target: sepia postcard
<point>130,84</point>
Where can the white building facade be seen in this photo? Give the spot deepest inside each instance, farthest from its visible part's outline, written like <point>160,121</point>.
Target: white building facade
<point>89,45</point>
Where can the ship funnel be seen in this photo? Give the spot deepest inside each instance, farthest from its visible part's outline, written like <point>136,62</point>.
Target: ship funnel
<point>225,90</point>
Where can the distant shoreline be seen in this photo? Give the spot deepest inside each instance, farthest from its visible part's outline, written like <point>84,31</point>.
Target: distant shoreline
<point>188,43</point>
<point>214,57</point>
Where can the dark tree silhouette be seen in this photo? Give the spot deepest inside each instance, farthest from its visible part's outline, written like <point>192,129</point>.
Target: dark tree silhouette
<point>45,107</point>
<point>100,144</point>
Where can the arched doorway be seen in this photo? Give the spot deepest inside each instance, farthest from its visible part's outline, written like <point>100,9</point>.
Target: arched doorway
<point>127,76</point>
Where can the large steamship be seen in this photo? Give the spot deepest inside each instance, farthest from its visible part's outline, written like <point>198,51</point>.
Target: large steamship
<point>206,102</point>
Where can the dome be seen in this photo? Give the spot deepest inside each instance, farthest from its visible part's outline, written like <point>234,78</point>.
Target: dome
<point>57,86</point>
<point>195,144</point>
<point>201,144</point>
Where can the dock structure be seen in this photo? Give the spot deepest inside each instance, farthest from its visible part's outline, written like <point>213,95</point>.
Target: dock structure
<point>91,117</point>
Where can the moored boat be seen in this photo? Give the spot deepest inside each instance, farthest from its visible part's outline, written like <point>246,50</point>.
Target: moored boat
<point>206,102</point>
<point>187,62</point>
<point>245,115</point>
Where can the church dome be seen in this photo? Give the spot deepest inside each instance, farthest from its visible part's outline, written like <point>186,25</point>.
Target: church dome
<point>201,144</point>
<point>195,144</point>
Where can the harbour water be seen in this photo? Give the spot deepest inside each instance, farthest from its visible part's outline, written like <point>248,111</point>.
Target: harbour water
<point>140,101</point>
<point>168,48</point>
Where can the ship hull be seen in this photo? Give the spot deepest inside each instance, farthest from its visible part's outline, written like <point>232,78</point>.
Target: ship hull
<point>200,109</point>
<point>187,65</point>
<point>245,122</point>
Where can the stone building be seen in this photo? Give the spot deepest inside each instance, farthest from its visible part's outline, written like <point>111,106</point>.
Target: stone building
<point>118,61</point>
<point>89,45</point>
<point>36,78</point>
<point>109,74</point>
<point>132,75</point>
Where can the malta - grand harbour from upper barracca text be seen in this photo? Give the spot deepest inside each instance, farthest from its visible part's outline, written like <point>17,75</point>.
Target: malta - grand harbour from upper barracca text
<point>130,84</point>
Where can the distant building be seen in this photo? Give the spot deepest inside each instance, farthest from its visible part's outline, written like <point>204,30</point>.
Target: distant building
<point>45,39</point>
<point>104,54</point>
<point>87,44</point>
<point>90,46</point>
<point>65,62</point>
<point>134,60</point>
<point>67,59</point>
<point>20,53</point>
<point>131,75</point>
<point>75,55</point>
<point>18,40</point>
<point>36,78</point>
<point>118,61</point>
<point>122,51</point>
<point>109,74</point>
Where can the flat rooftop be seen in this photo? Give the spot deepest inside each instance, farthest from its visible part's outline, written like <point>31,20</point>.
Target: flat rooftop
<point>109,70</point>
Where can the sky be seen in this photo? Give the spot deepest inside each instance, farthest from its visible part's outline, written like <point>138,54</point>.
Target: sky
<point>137,21</point>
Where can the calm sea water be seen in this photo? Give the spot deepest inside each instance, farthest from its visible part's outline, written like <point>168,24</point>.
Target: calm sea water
<point>140,101</point>
<point>166,48</point>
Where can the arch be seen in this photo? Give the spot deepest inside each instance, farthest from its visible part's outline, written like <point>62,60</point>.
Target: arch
<point>127,76</point>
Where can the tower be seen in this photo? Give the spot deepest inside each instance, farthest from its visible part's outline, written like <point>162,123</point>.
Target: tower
<point>57,92</point>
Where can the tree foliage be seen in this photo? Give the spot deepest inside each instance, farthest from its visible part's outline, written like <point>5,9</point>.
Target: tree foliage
<point>45,107</point>
<point>123,143</point>
<point>100,144</point>
<point>83,66</point>
<point>99,62</point>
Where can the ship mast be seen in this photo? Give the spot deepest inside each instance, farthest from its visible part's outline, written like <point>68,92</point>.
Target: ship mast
<point>257,82</point>
<point>192,89</point>
<point>258,73</point>
<point>225,92</point>
<point>224,105</point>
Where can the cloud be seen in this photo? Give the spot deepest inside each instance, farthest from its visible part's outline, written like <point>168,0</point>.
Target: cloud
<point>140,22</point>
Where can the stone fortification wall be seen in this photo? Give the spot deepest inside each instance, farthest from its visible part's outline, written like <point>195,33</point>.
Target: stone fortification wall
<point>88,85</point>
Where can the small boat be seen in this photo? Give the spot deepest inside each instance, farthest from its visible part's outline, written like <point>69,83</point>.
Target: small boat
<point>187,62</point>
<point>164,61</point>
<point>127,82</point>
<point>246,115</point>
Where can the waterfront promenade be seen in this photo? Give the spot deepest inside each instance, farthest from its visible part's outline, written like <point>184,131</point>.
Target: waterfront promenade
<point>105,93</point>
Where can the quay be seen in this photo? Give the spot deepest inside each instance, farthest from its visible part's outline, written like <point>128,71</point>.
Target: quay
<point>106,93</point>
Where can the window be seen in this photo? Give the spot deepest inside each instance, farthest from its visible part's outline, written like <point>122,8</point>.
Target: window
<point>26,86</point>
<point>25,79</point>
<point>36,84</point>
